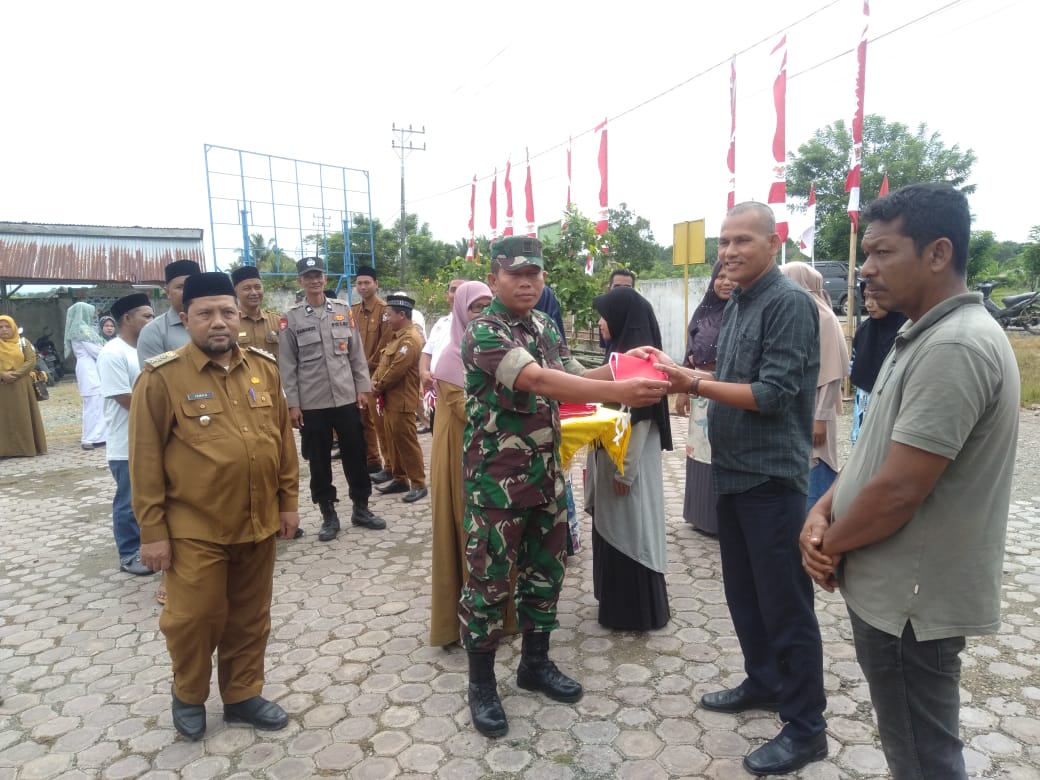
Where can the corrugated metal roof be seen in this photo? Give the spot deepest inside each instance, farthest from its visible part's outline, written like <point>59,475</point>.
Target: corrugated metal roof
<point>73,254</point>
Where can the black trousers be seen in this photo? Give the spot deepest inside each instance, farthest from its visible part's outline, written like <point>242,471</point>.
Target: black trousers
<point>318,425</point>
<point>770,600</point>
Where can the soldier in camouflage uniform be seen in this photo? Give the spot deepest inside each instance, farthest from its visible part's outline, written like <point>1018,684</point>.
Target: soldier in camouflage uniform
<point>517,370</point>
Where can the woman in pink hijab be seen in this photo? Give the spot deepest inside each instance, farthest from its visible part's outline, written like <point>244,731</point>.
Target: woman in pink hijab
<point>449,572</point>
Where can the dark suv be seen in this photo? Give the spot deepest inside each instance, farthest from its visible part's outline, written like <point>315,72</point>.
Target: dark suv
<point>836,282</point>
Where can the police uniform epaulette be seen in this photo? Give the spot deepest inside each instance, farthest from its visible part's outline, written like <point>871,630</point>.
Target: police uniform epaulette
<point>263,352</point>
<point>161,359</point>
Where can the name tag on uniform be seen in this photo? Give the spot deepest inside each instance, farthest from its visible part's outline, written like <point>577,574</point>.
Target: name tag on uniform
<point>199,396</point>
<point>307,329</point>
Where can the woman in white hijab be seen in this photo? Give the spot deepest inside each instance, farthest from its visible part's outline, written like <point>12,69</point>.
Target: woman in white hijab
<point>834,366</point>
<point>83,339</point>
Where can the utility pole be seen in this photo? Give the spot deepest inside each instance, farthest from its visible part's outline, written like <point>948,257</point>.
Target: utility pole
<point>403,145</point>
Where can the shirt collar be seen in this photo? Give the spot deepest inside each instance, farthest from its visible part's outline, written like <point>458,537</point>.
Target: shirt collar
<point>760,285</point>
<point>912,330</point>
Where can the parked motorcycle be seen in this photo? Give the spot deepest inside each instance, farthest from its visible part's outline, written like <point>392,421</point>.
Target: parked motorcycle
<point>1018,311</point>
<point>46,350</point>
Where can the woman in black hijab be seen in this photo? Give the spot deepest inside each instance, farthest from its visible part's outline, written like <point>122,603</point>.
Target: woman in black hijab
<point>873,340</point>
<point>701,345</point>
<point>629,552</point>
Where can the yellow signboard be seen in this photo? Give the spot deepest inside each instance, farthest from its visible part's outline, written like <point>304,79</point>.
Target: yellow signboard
<point>688,243</point>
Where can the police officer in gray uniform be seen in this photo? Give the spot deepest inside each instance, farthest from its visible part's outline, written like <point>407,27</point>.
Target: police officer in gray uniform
<point>326,382</point>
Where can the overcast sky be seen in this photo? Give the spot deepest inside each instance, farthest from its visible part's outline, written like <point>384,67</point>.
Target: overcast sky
<point>108,105</point>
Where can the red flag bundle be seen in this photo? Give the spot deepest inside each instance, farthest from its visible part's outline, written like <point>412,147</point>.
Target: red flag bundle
<point>778,190</point>
<point>508,231</point>
<point>731,156</point>
<point>601,223</point>
<point>494,206</point>
<point>529,194</point>
<point>884,187</point>
<point>470,251</point>
<point>852,182</point>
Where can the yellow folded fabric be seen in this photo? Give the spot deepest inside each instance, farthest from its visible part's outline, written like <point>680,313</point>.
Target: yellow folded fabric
<point>608,428</point>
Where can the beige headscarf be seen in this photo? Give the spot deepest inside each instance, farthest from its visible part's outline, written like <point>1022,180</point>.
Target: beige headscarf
<point>834,355</point>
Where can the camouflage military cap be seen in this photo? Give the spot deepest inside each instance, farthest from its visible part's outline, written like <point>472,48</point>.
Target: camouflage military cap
<point>517,251</point>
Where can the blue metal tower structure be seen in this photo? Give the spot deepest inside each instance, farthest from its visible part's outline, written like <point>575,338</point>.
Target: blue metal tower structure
<point>298,208</point>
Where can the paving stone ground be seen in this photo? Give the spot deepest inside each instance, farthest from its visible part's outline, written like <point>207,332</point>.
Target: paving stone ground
<point>85,675</point>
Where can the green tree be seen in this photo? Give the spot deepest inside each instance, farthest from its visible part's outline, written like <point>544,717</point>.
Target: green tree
<point>980,254</point>
<point>565,266</point>
<point>907,157</point>
<point>633,244</point>
<point>1031,258</point>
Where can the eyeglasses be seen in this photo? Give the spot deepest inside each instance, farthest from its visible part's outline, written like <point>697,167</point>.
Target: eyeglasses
<point>477,308</point>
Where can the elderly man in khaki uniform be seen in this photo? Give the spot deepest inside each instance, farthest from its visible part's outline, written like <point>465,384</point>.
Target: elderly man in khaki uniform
<point>396,380</point>
<point>256,328</point>
<point>372,319</point>
<point>327,385</point>
<point>215,478</point>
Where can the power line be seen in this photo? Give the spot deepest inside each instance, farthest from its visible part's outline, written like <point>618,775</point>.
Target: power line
<point>709,69</point>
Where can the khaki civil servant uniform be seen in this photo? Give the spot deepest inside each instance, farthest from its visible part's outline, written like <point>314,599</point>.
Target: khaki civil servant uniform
<point>372,322</point>
<point>260,331</point>
<point>212,464</point>
<point>397,376</point>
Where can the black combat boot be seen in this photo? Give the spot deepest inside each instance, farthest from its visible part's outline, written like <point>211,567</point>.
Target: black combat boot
<point>329,521</point>
<point>537,673</point>
<point>485,708</point>
<point>363,517</point>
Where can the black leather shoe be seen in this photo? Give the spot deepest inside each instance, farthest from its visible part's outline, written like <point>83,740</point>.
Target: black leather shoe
<point>298,534</point>
<point>380,476</point>
<point>364,518</point>
<point>737,700</point>
<point>783,754</point>
<point>257,712</point>
<point>189,719</point>
<point>393,487</point>
<point>414,495</point>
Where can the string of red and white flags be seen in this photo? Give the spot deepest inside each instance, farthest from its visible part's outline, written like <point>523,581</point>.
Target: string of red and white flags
<point>602,215</point>
<point>777,195</point>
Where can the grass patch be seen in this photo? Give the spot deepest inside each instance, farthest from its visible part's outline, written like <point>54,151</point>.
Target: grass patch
<point>1027,351</point>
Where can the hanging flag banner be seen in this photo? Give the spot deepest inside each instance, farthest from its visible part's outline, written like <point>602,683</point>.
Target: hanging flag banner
<point>563,222</point>
<point>508,231</point>
<point>471,251</point>
<point>853,180</point>
<point>494,206</point>
<point>529,194</point>
<point>601,223</point>
<point>809,234</point>
<point>731,156</point>
<point>778,190</point>
<point>884,187</point>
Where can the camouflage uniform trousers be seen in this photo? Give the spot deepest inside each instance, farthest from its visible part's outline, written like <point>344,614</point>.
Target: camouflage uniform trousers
<point>532,538</point>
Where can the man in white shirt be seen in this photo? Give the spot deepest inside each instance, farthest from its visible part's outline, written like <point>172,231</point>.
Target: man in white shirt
<point>118,368</point>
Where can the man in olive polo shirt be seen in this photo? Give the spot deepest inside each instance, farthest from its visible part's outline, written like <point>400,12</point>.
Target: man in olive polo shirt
<point>918,516</point>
